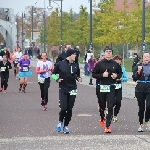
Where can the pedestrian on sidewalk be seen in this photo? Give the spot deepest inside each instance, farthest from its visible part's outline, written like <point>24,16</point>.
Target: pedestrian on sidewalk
<point>135,61</point>
<point>118,89</point>
<point>5,65</point>
<point>107,71</point>
<point>87,56</point>
<point>68,72</point>
<point>141,75</point>
<point>24,73</point>
<point>91,63</point>
<point>43,69</point>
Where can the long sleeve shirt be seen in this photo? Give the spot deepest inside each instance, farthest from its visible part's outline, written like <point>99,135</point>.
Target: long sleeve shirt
<point>111,66</point>
<point>69,72</point>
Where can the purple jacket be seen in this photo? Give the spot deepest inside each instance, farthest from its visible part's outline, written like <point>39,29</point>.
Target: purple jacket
<point>91,64</point>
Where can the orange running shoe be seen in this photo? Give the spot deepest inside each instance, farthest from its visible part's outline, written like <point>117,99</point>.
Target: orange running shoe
<point>101,122</point>
<point>107,130</point>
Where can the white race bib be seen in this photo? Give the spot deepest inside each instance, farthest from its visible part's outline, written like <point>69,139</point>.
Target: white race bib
<point>104,88</point>
<point>73,92</point>
<point>25,69</point>
<point>41,80</point>
<point>118,86</point>
<point>3,68</point>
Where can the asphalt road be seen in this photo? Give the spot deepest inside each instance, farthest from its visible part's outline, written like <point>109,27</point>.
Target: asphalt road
<point>24,125</point>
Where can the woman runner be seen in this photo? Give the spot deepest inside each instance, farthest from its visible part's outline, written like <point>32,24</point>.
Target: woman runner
<point>43,70</point>
<point>141,75</point>
<point>5,65</point>
<point>24,73</point>
<point>118,90</point>
<point>16,58</point>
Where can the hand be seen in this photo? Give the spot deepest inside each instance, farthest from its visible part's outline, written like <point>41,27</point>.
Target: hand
<point>139,68</point>
<point>45,70</point>
<point>60,80</point>
<point>114,76</point>
<point>80,79</point>
<point>105,74</point>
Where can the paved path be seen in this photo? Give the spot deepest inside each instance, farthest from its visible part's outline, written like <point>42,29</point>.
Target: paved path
<point>24,126</point>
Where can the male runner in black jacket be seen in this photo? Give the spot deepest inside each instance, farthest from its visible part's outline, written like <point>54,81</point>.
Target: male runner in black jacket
<point>68,72</point>
<point>106,72</point>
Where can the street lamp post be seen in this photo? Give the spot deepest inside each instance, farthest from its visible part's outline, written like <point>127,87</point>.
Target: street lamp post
<point>143,27</point>
<point>23,16</point>
<point>44,29</point>
<point>32,22</point>
<point>61,28</point>
<point>91,44</point>
<point>17,29</point>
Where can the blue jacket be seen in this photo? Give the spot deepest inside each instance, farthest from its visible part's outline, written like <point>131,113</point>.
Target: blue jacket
<point>124,75</point>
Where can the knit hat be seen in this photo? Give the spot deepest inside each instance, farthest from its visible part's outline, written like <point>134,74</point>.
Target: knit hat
<point>70,52</point>
<point>108,48</point>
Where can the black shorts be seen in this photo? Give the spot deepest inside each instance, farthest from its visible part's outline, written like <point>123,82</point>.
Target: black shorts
<point>15,64</point>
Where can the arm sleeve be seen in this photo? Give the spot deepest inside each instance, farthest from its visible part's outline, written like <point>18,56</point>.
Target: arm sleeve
<point>55,71</point>
<point>124,75</point>
<point>135,75</point>
<point>96,72</point>
<point>119,71</point>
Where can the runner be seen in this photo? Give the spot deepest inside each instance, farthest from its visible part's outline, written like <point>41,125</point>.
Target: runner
<point>118,89</point>
<point>16,58</point>
<point>91,63</point>
<point>12,55</point>
<point>68,72</point>
<point>43,70</point>
<point>107,71</point>
<point>5,65</point>
<point>24,73</point>
<point>141,75</point>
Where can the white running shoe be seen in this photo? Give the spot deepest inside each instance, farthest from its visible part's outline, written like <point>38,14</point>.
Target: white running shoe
<point>141,128</point>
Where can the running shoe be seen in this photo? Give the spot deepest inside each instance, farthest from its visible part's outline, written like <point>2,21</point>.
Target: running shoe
<point>66,130</point>
<point>107,130</point>
<point>42,102</point>
<point>1,89</point>
<point>115,119</point>
<point>45,108</point>
<point>5,91</point>
<point>59,126</point>
<point>141,128</point>
<point>101,122</point>
<point>23,91</point>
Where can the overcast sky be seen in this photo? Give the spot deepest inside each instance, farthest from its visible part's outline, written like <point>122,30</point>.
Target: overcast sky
<point>19,5</point>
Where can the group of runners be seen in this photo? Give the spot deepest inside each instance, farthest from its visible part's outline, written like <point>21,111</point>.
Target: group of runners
<point>107,71</point>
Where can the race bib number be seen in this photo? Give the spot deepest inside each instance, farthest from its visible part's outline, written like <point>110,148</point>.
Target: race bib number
<point>3,68</point>
<point>104,88</point>
<point>118,86</point>
<point>25,69</point>
<point>41,80</point>
<point>73,92</point>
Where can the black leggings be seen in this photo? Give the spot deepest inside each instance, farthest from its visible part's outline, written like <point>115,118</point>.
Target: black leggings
<point>109,97</point>
<point>66,104</point>
<point>117,103</point>
<point>4,80</point>
<point>44,90</point>
<point>141,98</point>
